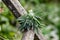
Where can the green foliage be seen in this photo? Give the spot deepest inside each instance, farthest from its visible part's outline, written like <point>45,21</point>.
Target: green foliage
<point>29,21</point>
<point>7,31</point>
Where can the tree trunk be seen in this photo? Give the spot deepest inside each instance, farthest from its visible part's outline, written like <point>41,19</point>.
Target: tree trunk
<point>29,35</point>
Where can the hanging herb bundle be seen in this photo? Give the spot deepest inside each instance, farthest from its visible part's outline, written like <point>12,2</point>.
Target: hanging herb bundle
<point>29,21</point>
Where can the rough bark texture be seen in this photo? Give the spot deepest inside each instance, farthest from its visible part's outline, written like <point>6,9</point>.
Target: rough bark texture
<point>15,7</point>
<point>40,35</point>
<point>19,7</point>
<point>29,35</point>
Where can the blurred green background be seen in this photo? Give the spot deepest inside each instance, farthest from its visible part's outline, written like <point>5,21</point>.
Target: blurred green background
<point>48,10</point>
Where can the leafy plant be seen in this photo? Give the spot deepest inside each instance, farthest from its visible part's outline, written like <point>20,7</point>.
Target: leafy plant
<point>29,21</point>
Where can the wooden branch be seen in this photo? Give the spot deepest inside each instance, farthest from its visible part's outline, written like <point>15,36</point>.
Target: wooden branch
<point>28,35</point>
<point>15,7</point>
<point>40,35</point>
<point>19,7</point>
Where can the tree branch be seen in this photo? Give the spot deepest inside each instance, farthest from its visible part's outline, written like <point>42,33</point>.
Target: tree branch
<point>40,35</point>
<point>15,7</point>
<point>29,35</point>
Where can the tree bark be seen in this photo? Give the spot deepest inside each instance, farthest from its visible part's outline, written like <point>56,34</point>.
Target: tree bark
<point>29,35</point>
<point>15,7</point>
<point>40,35</point>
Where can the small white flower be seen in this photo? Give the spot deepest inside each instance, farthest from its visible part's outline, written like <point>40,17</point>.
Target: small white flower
<point>31,12</point>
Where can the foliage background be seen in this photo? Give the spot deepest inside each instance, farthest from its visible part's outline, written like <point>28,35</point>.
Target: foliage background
<point>48,10</point>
